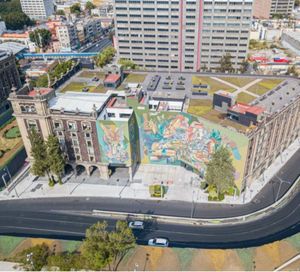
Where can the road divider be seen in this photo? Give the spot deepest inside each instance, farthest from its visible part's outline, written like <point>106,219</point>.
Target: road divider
<point>204,221</point>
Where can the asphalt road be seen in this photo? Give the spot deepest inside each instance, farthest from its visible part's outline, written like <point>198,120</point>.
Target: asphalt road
<point>99,46</point>
<point>67,218</point>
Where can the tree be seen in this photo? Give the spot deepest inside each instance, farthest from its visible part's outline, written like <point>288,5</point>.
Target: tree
<point>105,56</point>
<point>55,157</point>
<point>220,171</point>
<point>16,20</point>
<point>40,165</point>
<point>102,249</point>
<point>89,5</point>
<point>292,71</point>
<point>60,12</point>
<point>129,64</point>
<point>75,8</point>
<point>41,37</point>
<point>226,64</point>
<point>244,66</point>
<point>35,258</point>
<point>255,66</point>
<point>65,261</point>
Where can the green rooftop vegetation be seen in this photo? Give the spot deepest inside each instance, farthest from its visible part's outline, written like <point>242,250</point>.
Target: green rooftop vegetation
<point>77,87</point>
<point>238,81</point>
<point>214,85</point>
<point>245,98</point>
<point>264,86</point>
<point>91,74</point>
<point>199,107</point>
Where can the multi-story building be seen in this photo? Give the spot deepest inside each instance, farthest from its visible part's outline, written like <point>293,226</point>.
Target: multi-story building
<point>9,77</point>
<point>182,35</point>
<point>88,30</point>
<point>67,36</point>
<point>264,9</point>
<point>37,9</point>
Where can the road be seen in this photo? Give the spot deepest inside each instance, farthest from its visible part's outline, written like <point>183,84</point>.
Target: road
<point>67,218</point>
<point>99,46</point>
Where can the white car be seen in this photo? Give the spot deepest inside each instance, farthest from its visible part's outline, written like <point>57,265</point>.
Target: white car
<point>160,242</point>
<point>136,225</point>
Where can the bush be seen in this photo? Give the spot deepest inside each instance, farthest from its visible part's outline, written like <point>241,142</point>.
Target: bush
<point>203,185</point>
<point>157,190</point>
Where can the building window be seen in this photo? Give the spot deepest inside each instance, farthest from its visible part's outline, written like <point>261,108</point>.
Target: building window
<point>72,125</point>
<point>86,126</point>
<point>92,158</point>
<point>89,143</point>
<point>75,142</point>
<point>76,150</point>
<point>91,151</point>
<point>87,135</point>
<point>78,157</point>
<point>32,125</point>
<point>57,124</point>
<point>59,133</point>
<point>73,134</point>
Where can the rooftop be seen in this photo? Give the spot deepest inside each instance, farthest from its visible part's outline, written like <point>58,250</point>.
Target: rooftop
<point>13,47</point>
<point>112,78</point>
<point>243,108</point>
<point>276,99</point>
<point>39,91</point>
<point>78,102</point>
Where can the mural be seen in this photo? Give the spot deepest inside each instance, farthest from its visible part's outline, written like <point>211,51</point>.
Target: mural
<point>114,142</point>
<point>168,138</point>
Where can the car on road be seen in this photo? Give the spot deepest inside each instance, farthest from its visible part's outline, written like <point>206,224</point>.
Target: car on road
<point>136,225</point>
<point>159,242</point>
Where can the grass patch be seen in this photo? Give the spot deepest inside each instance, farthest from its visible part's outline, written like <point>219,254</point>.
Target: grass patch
<point>70,246</point>
<point>238,81</point>
<point>213,84</point>
<point>91,74</point>
<point>76,87</point>
<point>264,86</point>
<point>199,107</point>
<point>135,78</point>
<point>246,255</point>
<point>185,256</point>
<point>245,98</point>
<point>100,89</point>
<point>12,133</point>
<point>8,244</point>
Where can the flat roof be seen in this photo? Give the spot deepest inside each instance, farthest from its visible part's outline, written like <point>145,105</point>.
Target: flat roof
<point>13,47</point>
<point>243,108</point>
<point>39,91</point>
<point>281,96</point>
<point>78,102</point>
<point>112,78</point>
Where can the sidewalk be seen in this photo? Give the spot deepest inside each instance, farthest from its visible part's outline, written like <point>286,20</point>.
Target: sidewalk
<point>182,185</point>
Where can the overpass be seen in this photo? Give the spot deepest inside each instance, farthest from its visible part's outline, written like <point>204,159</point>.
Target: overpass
<point>47,56</point>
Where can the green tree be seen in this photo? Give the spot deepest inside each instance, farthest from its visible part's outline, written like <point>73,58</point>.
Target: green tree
<point>105,56</point>
<point>128,64</point>
<point>244,66</point>
<point>55,159</point>
<point>75,8</point>
<point>16,20</point>
<point>102,249</point>
<point>292,70</point>
<point>41,37</point>
<point>226,64</point>
<point>66,261</point>
<point>255,66</point>
<point>40,165</point>
<point>220,171</point>
<point>60,12</point>
<point>35,258</point>
<point>89,5</point>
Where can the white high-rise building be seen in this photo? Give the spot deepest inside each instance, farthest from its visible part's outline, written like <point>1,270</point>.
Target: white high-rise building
<point>37,9</point>
<point>67,36</point>
<point>182,35</point>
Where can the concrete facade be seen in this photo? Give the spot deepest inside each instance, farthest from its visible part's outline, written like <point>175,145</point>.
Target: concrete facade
<point>37,9</point>
<point>182,35</point>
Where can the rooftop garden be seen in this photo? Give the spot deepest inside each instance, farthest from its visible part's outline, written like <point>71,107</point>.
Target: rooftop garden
<point>91,74</point>
<point>10,141</point>
<point>245,98</point>
<point>238,81</point>
<point>214,85</point>
<point>199,107</point>
<point>77,87</point>
<point>264,86</point>
<point>135,78</point>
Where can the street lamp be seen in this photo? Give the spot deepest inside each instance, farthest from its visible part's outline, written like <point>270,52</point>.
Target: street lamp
<point>192,208</point>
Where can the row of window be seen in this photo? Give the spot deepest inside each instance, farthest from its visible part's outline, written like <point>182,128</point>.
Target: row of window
<point>72,125</point>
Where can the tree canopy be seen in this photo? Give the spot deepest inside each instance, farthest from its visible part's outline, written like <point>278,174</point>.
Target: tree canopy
<point>41,37</point>
<point>89,5</point>
<point>102,248</point>
<point>105,56</point>
<point>220,171</point>
<point>11,13</point>
<point>226,64</point>
<point>126,63</point>
<point>75,8</point>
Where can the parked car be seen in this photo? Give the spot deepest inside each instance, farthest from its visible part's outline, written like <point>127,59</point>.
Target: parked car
<point>160,242</point>
<point>95,79</point>
<point>136,225</point>
<point>85,89</point>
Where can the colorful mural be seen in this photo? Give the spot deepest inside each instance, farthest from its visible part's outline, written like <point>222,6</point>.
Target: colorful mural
<point>114,142</point>
<point>168,138</point>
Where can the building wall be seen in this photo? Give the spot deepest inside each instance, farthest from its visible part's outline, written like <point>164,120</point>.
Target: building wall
<point>262,9</point>
<point>37,9</point>
<point>284,7</point>
<point>182,35</point>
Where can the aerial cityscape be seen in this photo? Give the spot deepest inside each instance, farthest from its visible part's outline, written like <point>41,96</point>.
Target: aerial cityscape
<point>150,135</point>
